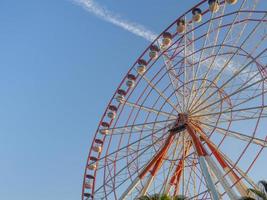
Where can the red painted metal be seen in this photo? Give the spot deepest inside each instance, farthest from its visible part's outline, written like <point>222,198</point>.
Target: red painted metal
<point>120,107</point>
<point>157,160</point>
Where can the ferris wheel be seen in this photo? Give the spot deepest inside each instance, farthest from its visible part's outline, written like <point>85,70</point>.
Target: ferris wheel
<point>189,117</point>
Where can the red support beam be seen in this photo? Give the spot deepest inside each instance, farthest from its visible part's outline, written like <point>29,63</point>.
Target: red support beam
<point>157,160</point>
<point>214,150</point>
<point>200,150</point>
<point>179,169</point>
<point>235,178</point>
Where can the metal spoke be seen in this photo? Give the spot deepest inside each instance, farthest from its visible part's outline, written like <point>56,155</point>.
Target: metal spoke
<point>226,64</point>
<point>137,128</point>
<point>160,93</point>
<point>238,135</point>
<point>237,91</point>
<point>232,111</point>
<point>148,109</point>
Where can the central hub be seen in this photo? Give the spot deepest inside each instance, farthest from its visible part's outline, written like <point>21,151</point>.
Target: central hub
<point>181,123</point>
<point>182,118</point>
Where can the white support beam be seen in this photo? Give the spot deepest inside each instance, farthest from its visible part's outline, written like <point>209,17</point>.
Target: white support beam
<point>221,178</point>
<point>130,188</point>
<point>211,186</point>
<point>147,185</point>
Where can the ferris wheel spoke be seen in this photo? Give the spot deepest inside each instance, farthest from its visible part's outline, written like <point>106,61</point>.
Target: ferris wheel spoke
<point>200,56</point>
<point>205,48</point>
<point>226,64</point>
<point>224,67</point>
<point>232,111</point>
<point>232,94</point>
<point>215,41</point>
<point>246,100</point>
<point>237,135</point>
<point>235,92</point>
<point>185,71</point>
<point>172,75</point>
<point>148,109</point>
<point>242,118</point>
<point>190,58</point>
<point>234,25</point>
<point>160,93</point>
<point>238,91</point>
<point>137,128</point>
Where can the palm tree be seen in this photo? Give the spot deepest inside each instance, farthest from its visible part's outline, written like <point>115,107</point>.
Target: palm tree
<point>180,197</point>
<point>146,197</point>
<point>264,185</point>
<point>246,198</point>
<point>258,193</point>
<point>154,197</point>
<point>261,194</point>
<point>162,197</point>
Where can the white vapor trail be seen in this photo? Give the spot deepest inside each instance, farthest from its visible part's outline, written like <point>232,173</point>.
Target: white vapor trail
<point>108,16</point>
<point>139,30</point>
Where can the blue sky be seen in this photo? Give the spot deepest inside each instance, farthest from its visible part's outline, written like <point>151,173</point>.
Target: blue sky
<point>59,66</point>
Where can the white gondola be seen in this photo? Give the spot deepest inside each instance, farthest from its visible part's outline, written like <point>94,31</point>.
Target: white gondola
<point>130,80</point>
<point>120,98</point>
<point>88,185</point>
<point>153,55</point>
<point>104,131</point>
<point>112,111</point>
<point>214,6</point>
<point>104,128</point>
<point>141,69</point>
<point>92,167</point>
<point>97,149</point>
<point>154,52</point>
<point>181,26</point>
<point>167,39</point>
<point>98,145</point>
<point>111,114</point>
<point>197,15</point>
<point>130,83</point>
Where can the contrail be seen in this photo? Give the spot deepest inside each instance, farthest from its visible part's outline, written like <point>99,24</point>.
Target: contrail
<point>108,16</point>
<point>139,30</point>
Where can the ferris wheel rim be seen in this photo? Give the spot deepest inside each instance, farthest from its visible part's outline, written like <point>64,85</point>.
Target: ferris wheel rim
<point>123,81</point>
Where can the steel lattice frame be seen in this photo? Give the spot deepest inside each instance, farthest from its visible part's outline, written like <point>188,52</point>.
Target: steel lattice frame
<point>189,117</point>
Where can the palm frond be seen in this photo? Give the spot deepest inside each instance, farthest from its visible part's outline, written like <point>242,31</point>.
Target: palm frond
<point>264,183</point>
<point>246,198</point>
<point>258,193</point>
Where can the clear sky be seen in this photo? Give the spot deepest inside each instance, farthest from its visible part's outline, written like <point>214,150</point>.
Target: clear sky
<point>59,66</point>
